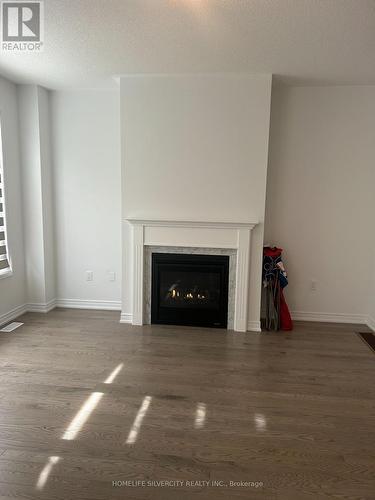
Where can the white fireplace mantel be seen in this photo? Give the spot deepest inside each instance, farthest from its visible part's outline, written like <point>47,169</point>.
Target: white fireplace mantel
<point>190,223</point>
<point>198,234</point>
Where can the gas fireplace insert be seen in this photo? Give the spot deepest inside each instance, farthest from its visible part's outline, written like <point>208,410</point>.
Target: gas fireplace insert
<point>190,289</point>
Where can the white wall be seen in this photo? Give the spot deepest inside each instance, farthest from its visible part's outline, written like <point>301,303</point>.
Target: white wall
<point>37,195</point>
<point>320,196</point>
<point>47,192</point>
<point>195,147</point>
<point>87,185</point>
<point>371,309</point>
<point>12,288</point>
<point>371,301</point>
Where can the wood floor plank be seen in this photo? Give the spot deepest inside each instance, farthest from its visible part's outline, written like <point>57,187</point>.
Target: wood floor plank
<point>294,411</point>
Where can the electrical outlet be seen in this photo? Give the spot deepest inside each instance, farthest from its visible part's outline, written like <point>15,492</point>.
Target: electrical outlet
<point>111,276</point>
<point>313,285</point>
<point>89,276</point>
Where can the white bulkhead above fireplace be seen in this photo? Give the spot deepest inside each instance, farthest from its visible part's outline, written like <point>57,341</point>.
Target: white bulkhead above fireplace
<point>194,155</point>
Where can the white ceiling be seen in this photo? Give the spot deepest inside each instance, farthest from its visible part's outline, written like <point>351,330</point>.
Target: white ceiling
<point>301,41</point>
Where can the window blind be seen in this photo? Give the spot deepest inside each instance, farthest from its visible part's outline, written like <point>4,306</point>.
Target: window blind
<point>4,255</point>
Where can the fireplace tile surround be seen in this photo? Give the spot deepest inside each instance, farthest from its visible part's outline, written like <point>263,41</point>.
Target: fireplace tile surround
<point>180,236</point>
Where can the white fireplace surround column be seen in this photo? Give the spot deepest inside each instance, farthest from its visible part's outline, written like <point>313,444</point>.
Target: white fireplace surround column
<point>181,233</point>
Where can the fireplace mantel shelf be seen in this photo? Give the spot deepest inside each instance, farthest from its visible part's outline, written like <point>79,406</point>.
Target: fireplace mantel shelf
<point>190,223</point>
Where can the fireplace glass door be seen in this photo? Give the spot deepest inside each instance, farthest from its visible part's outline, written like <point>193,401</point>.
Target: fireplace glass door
<point>190,289</point>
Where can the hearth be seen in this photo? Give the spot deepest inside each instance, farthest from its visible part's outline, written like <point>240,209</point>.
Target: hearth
<point>190,289</point>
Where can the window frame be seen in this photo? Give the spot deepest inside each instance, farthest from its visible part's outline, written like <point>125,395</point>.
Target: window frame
<point>4,273</point>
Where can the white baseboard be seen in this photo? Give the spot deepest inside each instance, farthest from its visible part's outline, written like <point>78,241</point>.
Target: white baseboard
<point>112,305</point>
<point>126,318</point>
<point>13,314</point>
<point>40,307</point>
<point>106,305</point>
<point>254,326</point>
<point>371,323</point>
<point>24,308</point>
<point>68,303</point>
<point>329,317</point>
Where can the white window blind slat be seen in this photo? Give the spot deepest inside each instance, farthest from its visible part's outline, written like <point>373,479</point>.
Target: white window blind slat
<point>4,252</point>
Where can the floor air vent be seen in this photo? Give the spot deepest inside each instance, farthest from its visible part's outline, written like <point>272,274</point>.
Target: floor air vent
<point>12,326</point>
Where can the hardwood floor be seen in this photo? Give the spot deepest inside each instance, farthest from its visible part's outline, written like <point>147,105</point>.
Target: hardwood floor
<point>291,410</point>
